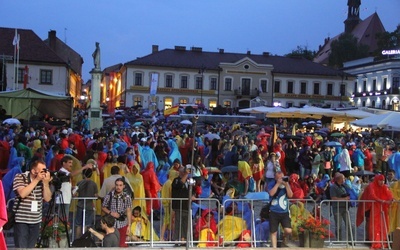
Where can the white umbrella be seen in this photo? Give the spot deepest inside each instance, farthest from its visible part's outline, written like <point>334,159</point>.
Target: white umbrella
<point>186,122</point>
<point>212,136</point>
<point>12,121</point>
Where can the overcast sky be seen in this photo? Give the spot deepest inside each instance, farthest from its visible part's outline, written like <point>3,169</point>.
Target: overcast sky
<point>126,29</point>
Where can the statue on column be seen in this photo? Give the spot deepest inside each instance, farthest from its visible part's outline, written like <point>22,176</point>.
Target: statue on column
<point>96,56</point>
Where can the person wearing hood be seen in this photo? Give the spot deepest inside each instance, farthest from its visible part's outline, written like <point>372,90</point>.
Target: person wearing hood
<point>345,162</point>
<point>16,168</point>
<point>151,187</point>
<point>378,223</point>
<point>135,178</point>
<point>358,159</point>
<point>206,229</point>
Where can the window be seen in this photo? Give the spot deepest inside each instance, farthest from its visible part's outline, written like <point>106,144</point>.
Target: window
<point>199,82</point>
<point>263,86</point>
<point>355,87</point>
<point>138,79</point>
<point>20,76</point>
<point>213,83</point>
<point>183,101</point>
<point>277,87</point>
<point>364,86</point>
<point>329,89</point>
<point>303,88</point>
<point>227,104</point>
<point>168,103</point>
<point>374,85</point>
<point>342,89</point>
<point>289,104</point>
<point>212,105</point>
<point>384,87</point>
<point>290,87</point>
<point>246,86</point>
<point>396,82</point>
<point>316,88</point>
<point>137,100</point>
<point>228,84</point>
<point>168,81</point>
<point>184,82</point>
<point>46,76</point>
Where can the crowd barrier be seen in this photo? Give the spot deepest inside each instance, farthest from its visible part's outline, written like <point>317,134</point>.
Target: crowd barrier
<point>161,221</point>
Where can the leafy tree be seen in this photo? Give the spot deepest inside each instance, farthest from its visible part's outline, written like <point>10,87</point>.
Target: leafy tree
<point>302,52</point>
<point>388,40</point>
<point>346,48</point>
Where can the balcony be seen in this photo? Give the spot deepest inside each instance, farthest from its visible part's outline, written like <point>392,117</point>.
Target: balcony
<point>239,93</point>
<point>394,91</point>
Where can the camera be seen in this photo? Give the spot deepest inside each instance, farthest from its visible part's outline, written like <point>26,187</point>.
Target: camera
<point>121,217</point>
<point>285,179</point>
<point>58,178</point>
<point>95,166</point>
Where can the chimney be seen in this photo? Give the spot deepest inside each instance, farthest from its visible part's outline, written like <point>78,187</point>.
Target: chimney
<point>181,48</point>
<point>154,49</point>
<point>265,53</point>
<point>52,39</point>
<point>248,52</point>
<point>197,49</point>
<point>221,51</point>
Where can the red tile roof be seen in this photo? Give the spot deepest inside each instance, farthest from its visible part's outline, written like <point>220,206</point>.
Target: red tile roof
<point>32,48</point>
<point>365,32</point>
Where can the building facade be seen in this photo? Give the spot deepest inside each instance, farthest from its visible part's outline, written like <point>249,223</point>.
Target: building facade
<point>377,83</point>
<point>232,80</point>
<point>48,65</point>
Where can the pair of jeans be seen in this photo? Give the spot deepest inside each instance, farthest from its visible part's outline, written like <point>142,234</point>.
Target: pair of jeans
<point>26,235</point>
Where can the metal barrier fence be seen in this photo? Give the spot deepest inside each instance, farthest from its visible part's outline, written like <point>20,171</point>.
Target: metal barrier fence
<point>164,219</point>
<point>373,218</point>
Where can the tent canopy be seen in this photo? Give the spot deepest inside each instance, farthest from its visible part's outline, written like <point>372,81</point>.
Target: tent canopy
<point>25,103</point>
<point>389,120</point>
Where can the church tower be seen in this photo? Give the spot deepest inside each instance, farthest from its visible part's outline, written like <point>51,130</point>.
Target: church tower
<point>353,15</point>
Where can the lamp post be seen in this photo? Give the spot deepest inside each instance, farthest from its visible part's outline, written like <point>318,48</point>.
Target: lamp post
<point>201,72</point>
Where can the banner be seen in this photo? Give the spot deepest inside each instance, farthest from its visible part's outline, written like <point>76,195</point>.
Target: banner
<point>153,84</point>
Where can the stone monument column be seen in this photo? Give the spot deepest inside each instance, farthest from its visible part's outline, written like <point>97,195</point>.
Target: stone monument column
<point>95,116</point>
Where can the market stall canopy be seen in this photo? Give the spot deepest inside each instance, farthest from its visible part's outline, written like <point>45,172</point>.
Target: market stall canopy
<point>25,103</point>
<point>388,121</point>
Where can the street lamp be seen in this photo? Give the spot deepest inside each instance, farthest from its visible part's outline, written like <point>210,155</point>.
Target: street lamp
<point>201,71</point>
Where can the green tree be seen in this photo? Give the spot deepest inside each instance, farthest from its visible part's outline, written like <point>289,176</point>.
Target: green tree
<point>302,52</point>
<point>388,40</point>
<point>346,48</point>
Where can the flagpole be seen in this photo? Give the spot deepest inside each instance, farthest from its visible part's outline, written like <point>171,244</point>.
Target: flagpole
<point>16,81</point>
<point>15,55</point>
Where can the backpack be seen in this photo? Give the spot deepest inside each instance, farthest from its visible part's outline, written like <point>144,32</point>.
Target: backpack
<point>84,241</point>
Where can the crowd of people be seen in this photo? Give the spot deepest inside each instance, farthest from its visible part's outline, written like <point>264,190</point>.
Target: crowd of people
<point>162,159</point>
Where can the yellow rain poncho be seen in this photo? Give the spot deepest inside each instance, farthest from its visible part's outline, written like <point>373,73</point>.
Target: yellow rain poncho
<point>140,228</point>
<point>298,214</point>
<point>394,216</point>
<point>136,181</point>
<point>231,227</point>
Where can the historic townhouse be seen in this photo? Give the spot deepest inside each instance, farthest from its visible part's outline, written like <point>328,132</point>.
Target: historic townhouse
<point>49,65</point>
<point>192,76</point>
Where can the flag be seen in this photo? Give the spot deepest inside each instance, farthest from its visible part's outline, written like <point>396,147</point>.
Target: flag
<point>294,129</point>
<point>171,111</point>
<point>16,41</point>
<point>154,84</point>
